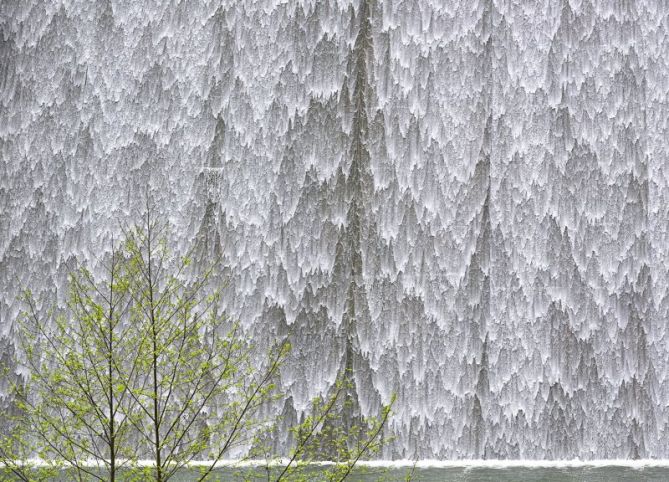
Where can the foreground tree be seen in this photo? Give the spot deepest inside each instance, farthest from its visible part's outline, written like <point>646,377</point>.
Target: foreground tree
<point>15,439</point>
<point>325,434</point>
<point>197,382</point>
<point>73,410</point>
<point>142,365</point>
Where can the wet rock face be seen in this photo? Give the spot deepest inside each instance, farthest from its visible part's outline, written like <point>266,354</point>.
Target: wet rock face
<point>464,202</point>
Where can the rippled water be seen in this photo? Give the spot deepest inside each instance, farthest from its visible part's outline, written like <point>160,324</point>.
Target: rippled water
<point>603,473</point>
<point>514,472</point>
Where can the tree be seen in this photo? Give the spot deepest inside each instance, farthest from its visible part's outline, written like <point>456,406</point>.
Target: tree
<point>15,446</point>
<point>142,364</point>
<point>74,408</point>
<point>195,379</point>
<point>326,431</point>
<point>200,388</point>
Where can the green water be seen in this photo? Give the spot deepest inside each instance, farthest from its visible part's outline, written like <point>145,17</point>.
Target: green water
<point>543,474</point>
<point>465,474</point>
<point>510,474</point>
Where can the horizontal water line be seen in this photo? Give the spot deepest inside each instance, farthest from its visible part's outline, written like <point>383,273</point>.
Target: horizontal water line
<point>423,464</point>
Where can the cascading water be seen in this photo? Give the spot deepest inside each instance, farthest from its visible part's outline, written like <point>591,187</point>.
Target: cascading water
<point>465,201</point>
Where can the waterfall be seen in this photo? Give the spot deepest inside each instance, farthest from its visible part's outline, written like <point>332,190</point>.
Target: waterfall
<point>466,202</point>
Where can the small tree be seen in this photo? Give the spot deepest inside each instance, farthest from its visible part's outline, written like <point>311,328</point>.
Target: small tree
<point>325,431</point>
<point>74,408</point>
<point>198,384</point>
<point>15,439</point>
<point>142,364</point>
